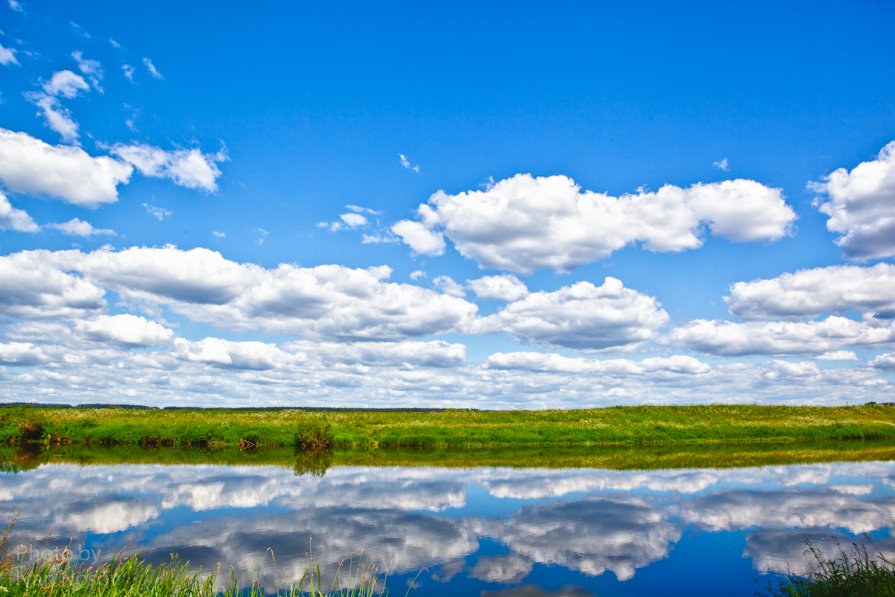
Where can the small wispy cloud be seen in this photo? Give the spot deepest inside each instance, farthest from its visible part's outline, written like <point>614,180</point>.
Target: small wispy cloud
<point>262,236</point>
<point>355,217</point>
<point>16,6</point>
<point>92,69</point>
<point>80,30</point>
<point>151,68</point>
<point>218,234</point>
<point>78,227</point>
<point>380,238</point>
<point>128,71</point>
<point>417,275</point>
<point>159,213</point>
<point>114,44</point>
<point>363,210</point>
<point>190,168</point>
<point>64,84</point>
<point>722,165</point>
<point>7,56</point>
<point>448,285</point>
<point>405,162</point>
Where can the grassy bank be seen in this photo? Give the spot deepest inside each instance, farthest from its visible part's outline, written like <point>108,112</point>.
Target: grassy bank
<point>251,429</point>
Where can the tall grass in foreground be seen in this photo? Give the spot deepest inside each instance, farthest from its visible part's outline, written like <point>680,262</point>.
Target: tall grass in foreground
<point>132,577</point>
<point>845,575</point>
<point>125,577</point>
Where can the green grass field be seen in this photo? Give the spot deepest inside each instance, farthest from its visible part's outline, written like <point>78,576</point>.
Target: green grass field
<point>638,425</point>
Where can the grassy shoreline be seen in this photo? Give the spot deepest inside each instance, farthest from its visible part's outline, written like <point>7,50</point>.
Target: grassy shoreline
<point>636,425</point>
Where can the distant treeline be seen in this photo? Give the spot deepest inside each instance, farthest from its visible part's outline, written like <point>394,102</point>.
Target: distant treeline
<point>408,409</point>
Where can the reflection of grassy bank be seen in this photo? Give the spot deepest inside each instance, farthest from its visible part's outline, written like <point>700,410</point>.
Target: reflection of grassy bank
<point>607,457</point>
<point>452,429</point>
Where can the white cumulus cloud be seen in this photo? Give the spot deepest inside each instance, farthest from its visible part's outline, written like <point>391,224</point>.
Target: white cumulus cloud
<point>810,292</point>
<point>581,316</point>
<point>525,223</point>
<point>861,206</point>
<point>781,337</point>
<point>126,330</point>
<point>65,84</point>
<point>15,219</point>
<point>505,288</point>
<point>316,302</point>
<point>227,354</point>
<point>557,363</point>
<point>419,237</point>
<point>28,165</point>
<point>884,361</point>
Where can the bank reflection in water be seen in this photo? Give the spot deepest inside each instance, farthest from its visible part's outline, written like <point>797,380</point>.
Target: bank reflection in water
<point>476,531</point>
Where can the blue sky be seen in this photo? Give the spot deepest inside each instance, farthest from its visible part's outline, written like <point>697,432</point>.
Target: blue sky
<point>162,161</point>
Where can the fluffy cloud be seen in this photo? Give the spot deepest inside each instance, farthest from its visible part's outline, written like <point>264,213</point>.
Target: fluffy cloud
<point>65,84</point>
<point>448,285</point>
<point>28,165</point>
<point>32,288</point>
<point>525,223</point>
<point>126,330</point>
<point>353,220</point>
<point>324,301</point>
<point>78,227</point>
<point>349,220</point>
<point>581,316</point>
<point>235,355</point>
<point>436,353</point>
<point>21,353</point>
<point>419,238</point>
<point>15,219</point>
<point>780,338</point>
<point>502,288</point>
<point>557,363</point>
<point>188,168</point>
<point>861,206</point>
<point>884,361</point>
<point>816,291</point>
<point>838,355</point>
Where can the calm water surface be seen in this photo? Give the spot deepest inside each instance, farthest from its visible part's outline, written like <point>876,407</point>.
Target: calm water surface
<point>481,531</point>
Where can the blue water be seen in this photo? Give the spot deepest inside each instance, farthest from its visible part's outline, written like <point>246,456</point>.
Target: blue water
<point>480,531</point>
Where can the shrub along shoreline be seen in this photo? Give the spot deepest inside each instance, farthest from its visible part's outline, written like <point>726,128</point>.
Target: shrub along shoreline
<point>314,430</point>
